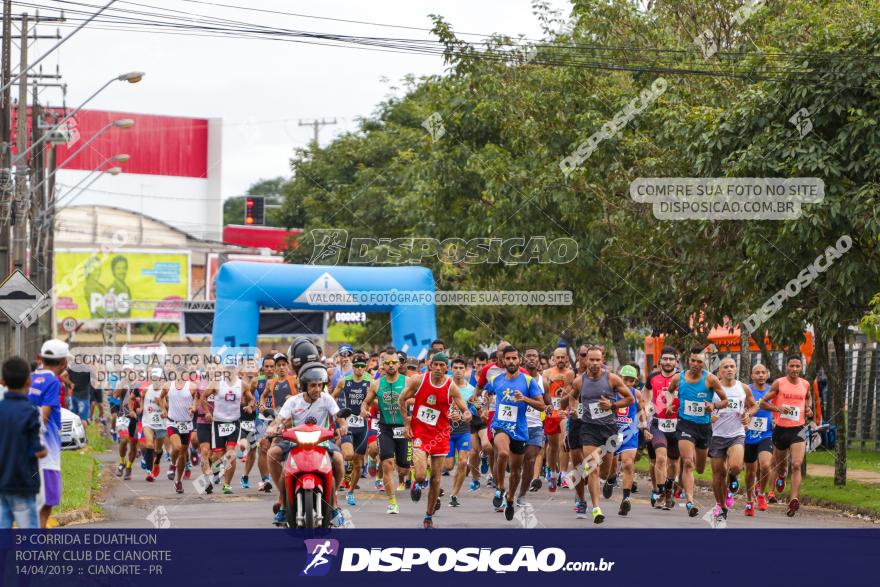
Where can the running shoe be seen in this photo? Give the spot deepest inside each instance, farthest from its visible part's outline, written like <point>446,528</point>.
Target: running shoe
<point>535,484</point>
<point>793,507</point>
<point>780,484</point>
<point>564,483</point>
<point>150,478</point>
<point>156,472</point>
<point>692,510</point>
<point>598,516</point>
<point>425,484</point>
<point>552,484</point>
<point>194,459</point>
<point>427,523</point>
<point>475,485</point>
<point>581,510</point>
<point>484,465</point>
<point>716,513</point>
<point>635,487</point>
<point>168,457</point>
<point>508,511</point>
<point>127,476</point>
<point>406,484</point>
<point>227,489</point>
<point>143,463</point>
<point>679,494</point>
<point>442,491</point>
<point>453,502</point>
<point>762,503</point>
<point>187,472</point>
<point>280,517</point>
<point>350,499</point>
<point>171,471</point>
<point>490,482</point>
<point>734,486</point>
<point>216,480</point>
<point>392,509</point>
<point>344,485</point>
<point>771,497</point>
<point>521,502</point>
<point>437,505</point>
<point>245,483</point>
<point>415,492</point>
<point>728,501</point>
<point>120,469</point>
<point>338,520</point>
<point>403,486</point>
<point>380,486</point>
<point>670,501</point>
<point>750,509</point>
<point>607,489</point>
<point>625,507</point>
<point>209,489</point>
<point>445,474</point>
<point>654,498</point>
<point>372,469</point>
<point>178,487</point>
<point>496,501</point>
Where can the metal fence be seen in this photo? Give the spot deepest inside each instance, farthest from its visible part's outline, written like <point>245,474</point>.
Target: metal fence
<point>862,396</point>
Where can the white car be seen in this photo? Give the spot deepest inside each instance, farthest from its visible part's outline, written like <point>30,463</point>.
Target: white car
<point>73,433</point>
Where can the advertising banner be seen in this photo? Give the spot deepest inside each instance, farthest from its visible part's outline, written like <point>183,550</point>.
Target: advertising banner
<point>126,285</point>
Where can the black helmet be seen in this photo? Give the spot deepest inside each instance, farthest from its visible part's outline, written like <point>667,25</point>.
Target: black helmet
<point>303,351</point>
<point>312,372</point>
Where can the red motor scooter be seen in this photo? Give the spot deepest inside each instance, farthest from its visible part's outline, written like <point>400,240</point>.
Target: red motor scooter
<point>308,477</point>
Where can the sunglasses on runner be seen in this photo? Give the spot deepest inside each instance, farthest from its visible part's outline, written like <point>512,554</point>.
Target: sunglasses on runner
<point>358,364</point>
<point>583,354</point>
<point>391,362</point>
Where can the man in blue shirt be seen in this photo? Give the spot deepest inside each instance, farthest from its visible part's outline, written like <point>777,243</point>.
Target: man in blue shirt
<point>45,393</point>
<point>514,393</point>
<point>20,447</point>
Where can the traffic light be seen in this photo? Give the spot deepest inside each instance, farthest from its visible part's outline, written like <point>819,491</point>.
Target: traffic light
<point>255,210</point>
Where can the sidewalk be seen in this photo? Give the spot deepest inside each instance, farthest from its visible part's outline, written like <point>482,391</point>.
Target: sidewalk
<point>860,475</point>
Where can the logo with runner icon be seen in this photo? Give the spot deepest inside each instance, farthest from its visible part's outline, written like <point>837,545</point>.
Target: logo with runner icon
<point>320,555</point>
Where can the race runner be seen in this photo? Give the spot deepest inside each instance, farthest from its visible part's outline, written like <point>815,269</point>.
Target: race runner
<point>248,441</point>
<point>556,380</point>
<point>662,440</point>
<point>229,398</point>
<point>394,447</point>
<point>693,389</point>
<point>759,446</point>
<point>267,403</point>
<point>259,445</point>
<point>204,428</point>
<point>153,421</point>
<point>127,420</point>
<point>350,392</point>
<point>531,478</point>
<point>486,374</point>
<point>429,428</point>
<point>629,420</point>
<point>313,402</point>
<point>594,390</point>
<point>179,396</point>
<point>514,392</point>
<point>790,401</point>
<point>460,430</point>
<point>728,437</point>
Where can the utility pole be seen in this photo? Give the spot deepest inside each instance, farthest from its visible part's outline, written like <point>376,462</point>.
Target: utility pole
<point>6,342</point>
<point>20,208</point>
<point>316,126</point>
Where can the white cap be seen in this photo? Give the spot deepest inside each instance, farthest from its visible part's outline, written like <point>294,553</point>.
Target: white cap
<point>157,372</point>
<point>55,349</point>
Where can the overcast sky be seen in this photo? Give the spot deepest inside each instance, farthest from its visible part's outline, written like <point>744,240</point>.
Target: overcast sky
<point>262,88</point>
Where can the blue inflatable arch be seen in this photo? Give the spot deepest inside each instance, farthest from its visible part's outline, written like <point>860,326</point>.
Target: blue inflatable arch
<point>243,287</point>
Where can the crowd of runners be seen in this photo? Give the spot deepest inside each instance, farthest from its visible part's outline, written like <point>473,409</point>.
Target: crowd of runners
<point>517,422</point>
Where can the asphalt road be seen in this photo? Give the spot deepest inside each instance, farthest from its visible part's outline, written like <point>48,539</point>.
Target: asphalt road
<point>138,504</point>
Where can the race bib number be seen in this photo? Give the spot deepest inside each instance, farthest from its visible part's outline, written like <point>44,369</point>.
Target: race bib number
<point>122,423</point>
<point>580,411</point>
<point>398,433</point>
<point>154,419</point>
<point>507,413</point>
<point>789,412</point>
<point>667,424</point>
<point>597,412</point>
<point>758,425</point>
<point>556,402</point>
<point>734,404</point>
<point>427,415</point>
<point>247,425</point>
<point>225,429</point>
<point>375,424</point>
<point>355,421</point>
<point>692,408</point>
<point>183,427</point>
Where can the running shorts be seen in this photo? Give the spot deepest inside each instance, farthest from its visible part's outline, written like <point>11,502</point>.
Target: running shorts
<point>698,434</point>
<point>594,434</point>
<point>435,445</point>
<point>459,443</point>
<point>225,434</point>
<point>249,431</point>
<point>536,436</point>
<point>203,432</point>
<point>489,416</point>
<point>181,429</point>
<point>623,445</point>
<point>357,437</point>
<point>517,447</point>
<point>718,445</point>
<point>158,433</point>
<point>752,450</point>
<point>97,396</point>
<point>783,438</point>
<point>661,439</point>
<point>394,445</point>
<point>573,435</point>
<point>477,424</point>
<point>126,429</point>
<point>552,425</point>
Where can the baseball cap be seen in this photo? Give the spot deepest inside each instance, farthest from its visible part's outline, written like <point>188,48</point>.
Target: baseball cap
<point>345,349</point>
<point>280,357</point>
<point>55,349</point>
<point>629,371</point>
<point>157,372</point>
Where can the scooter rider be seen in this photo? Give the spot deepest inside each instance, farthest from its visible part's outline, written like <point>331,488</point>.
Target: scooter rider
<point>313,401</point>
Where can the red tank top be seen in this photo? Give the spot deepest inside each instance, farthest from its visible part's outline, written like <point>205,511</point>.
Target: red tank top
<point>431,407</point>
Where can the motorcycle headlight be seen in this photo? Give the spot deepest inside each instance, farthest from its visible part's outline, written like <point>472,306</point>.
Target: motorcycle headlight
<point>308,437</point>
